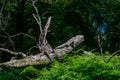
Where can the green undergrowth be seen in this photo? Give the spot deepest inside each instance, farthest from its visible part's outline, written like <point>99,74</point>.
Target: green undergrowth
<point>77,67</point>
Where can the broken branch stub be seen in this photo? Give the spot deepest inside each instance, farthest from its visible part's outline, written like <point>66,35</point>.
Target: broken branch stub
<point>37,16</point>
<point>43,44</point>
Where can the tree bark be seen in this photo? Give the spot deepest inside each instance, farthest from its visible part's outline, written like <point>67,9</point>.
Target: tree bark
<point>40,59</point>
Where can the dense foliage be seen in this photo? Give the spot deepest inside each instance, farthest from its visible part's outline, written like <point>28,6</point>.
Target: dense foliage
<point>84,67</point>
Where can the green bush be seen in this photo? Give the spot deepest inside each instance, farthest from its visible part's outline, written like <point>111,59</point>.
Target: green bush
<point>29,73</point>
<point>84,67</point>
<point>10,74</point>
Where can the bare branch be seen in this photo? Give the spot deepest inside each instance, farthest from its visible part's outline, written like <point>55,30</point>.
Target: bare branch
<point>7,50</point>
<point>44,14</point>
<point>113,54</point>
<point>9,38</point>
<point>100,45</point>
<point>3,5</point>
<point>46,28</point>
<point>37,16</point>
<point>17,55</point>
<point>31,49</point>
<point>29,36</point>
<point>18,35</point>
<point>37,21</point>
<point>1,10</point>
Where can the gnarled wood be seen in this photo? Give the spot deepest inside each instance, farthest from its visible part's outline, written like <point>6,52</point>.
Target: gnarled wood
<point>47,54</point>
<point>39,59</point>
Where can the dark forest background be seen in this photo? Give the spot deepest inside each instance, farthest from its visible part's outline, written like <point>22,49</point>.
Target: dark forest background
<point>69,18</point>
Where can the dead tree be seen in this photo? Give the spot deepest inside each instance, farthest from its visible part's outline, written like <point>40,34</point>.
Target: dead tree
<point>47,53</point>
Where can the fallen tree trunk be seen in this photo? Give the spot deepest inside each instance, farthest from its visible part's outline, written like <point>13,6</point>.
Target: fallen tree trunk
<point>46,54</point>
<point>39,59</point>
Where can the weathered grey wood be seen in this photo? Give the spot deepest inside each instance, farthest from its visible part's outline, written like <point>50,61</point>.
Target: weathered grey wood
<point>47,54</point>
<point>39,59</point>
<point>70,44</point>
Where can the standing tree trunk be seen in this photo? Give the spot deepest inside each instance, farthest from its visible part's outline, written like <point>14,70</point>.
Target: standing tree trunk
<point>20,23</point>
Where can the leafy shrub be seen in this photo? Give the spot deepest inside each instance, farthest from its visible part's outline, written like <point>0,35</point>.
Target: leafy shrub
<point>10,74</point>
<point>29,73</point>
<point>83,68</point>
